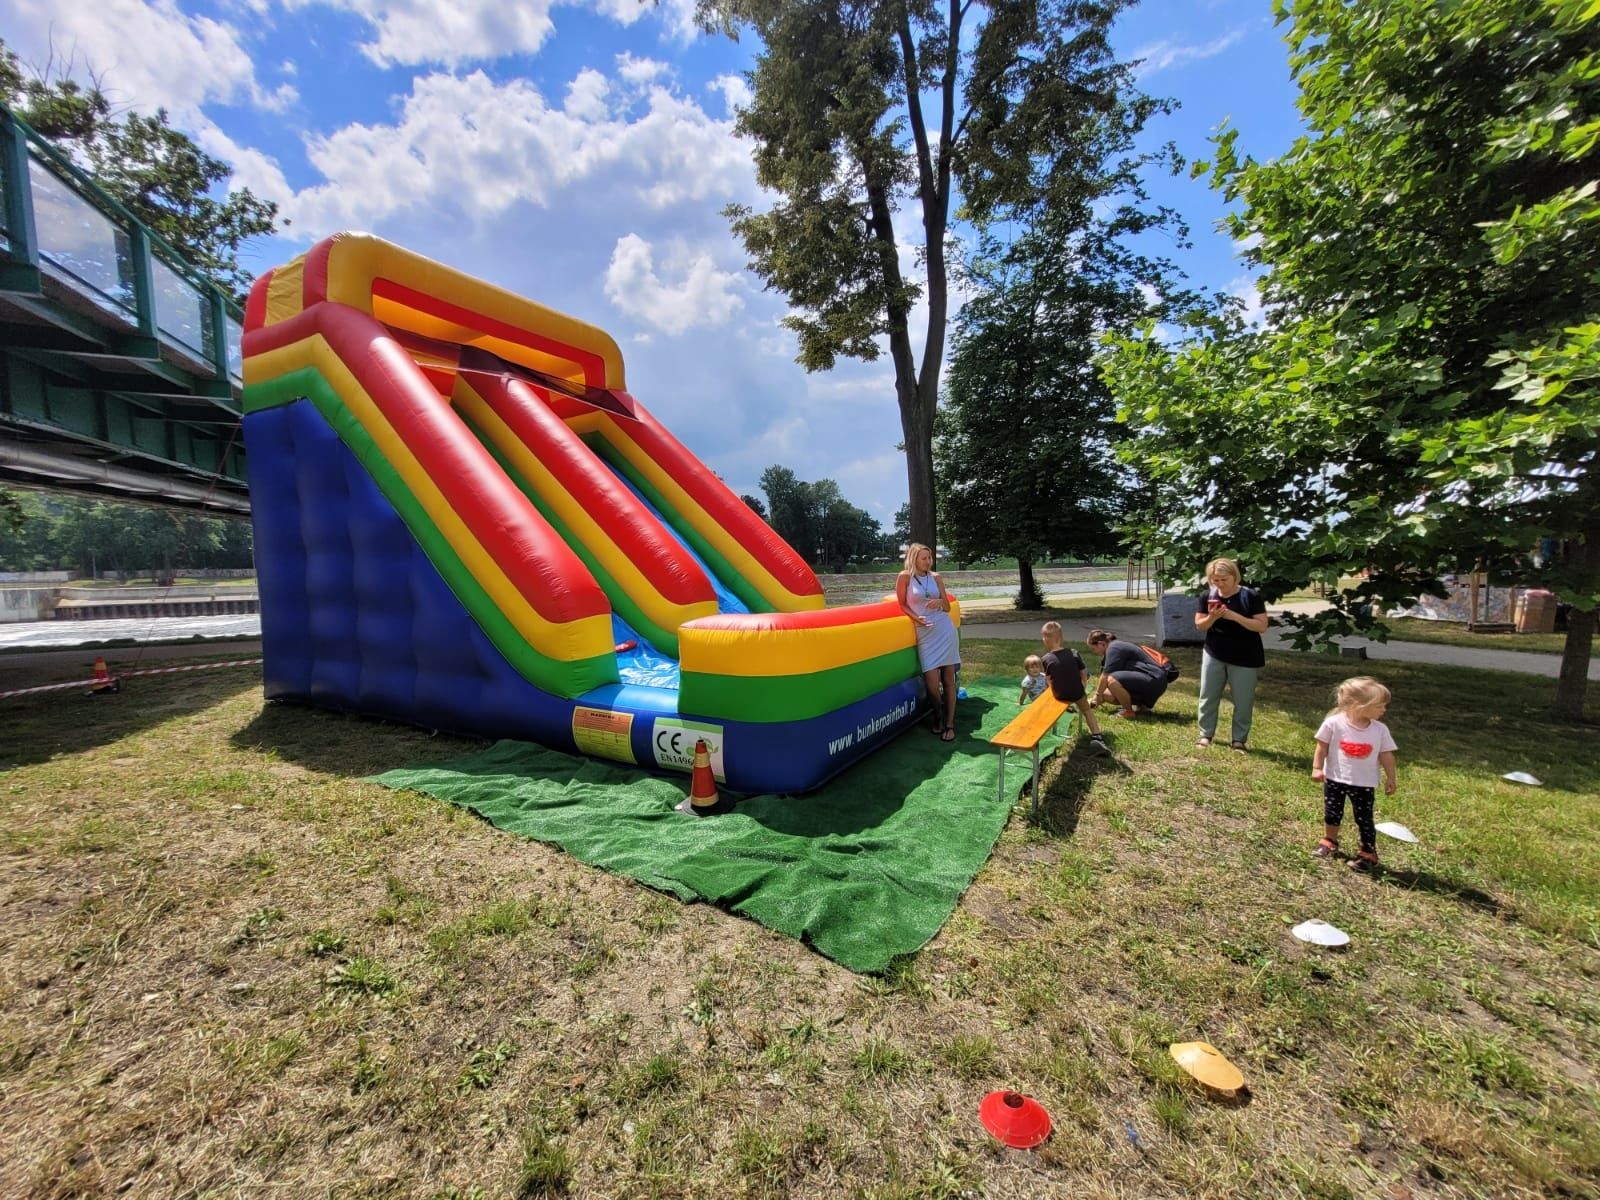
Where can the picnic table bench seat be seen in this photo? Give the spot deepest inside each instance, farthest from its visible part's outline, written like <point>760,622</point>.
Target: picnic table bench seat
<point>1025,731</point>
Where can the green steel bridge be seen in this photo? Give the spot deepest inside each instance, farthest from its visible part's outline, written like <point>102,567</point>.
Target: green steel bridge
<point>119,362</point>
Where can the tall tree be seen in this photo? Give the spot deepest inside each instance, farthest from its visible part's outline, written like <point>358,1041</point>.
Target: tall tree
<point>901,532</point>
<point>155,171</point>
<point>823,527</point>
<point>1023,447</point>
<point>1426,397</point>
<point>789,509</point>
<point>861,108</point>
<point>13,513</point>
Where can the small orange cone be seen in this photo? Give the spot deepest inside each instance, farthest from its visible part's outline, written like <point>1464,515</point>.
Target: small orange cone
<point>703,799</point>
<point>104,680</point>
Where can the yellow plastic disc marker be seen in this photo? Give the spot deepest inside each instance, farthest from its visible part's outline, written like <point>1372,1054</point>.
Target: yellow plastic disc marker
<point>1206,1063</point>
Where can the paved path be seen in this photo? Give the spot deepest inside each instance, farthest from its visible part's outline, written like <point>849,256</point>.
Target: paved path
<point>1142,628</point>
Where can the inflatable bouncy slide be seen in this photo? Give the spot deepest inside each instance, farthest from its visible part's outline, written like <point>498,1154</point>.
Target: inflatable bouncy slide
<point>464,521</point>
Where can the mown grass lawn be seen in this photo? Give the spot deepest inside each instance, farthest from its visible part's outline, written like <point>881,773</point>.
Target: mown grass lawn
<point>231,968</point>
<point>1455,633</point>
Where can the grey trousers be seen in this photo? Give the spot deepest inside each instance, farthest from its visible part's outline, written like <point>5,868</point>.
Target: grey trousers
<point>1214,677</point>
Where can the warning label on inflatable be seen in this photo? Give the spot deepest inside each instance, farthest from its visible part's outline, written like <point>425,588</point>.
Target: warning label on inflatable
<point>603,733</point>
<point>673,744</point>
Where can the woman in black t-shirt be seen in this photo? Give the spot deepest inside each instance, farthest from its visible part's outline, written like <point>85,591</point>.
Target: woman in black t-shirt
<point>1233,618</point>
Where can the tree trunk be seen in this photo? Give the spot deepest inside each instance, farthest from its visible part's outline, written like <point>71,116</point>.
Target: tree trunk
<point>1028,597</point>
<point>918,432</point>
<point>916,417</point>
<point>1573,681</point>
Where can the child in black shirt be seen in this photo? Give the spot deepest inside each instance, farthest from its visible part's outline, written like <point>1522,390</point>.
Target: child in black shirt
<point>1068,677</point>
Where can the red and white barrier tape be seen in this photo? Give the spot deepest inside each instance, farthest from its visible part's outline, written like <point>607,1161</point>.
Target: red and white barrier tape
<point>78,683</point>
<point>234,662</point>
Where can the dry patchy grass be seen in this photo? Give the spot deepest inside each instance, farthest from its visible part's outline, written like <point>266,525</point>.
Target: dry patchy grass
<point>232,968</point>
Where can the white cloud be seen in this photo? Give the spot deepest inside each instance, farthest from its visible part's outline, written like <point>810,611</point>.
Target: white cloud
<point>146,53</point>
<point>451,32</point>
<point>735,91</point>
<point>251,168</point>
<point>280,97</point>
<point>875,475</point>
<point>676,15</point>
<point>624,12</point>
<point>587,95</point>
<point>1248,289</point>
<point>640,71</point>
<point>474,145</point>
<point>454,32</point>
<point>701,297</point>
<point>1159,56</point>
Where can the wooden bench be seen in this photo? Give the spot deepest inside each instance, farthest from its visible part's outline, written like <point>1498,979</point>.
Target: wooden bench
<point>1025,731</point>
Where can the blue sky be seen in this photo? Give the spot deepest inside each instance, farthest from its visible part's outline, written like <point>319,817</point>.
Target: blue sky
<point>580,152</point>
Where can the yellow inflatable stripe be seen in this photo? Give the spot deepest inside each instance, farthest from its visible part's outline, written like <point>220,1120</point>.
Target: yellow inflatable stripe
<point>656,606</point>
<point>403,316</point>
<point>566,642</point>
<point>765,652</point>
<point>356,260</point>
<point>780,597</point>
<point>284,290</point>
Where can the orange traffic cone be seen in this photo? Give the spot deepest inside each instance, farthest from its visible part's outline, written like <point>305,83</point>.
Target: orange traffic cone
<point>104,680</point>
<point>703,799</point>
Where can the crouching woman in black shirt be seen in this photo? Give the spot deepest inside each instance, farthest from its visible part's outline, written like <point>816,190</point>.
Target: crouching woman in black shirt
<point>1233,618</point>
<point>1128,675</point>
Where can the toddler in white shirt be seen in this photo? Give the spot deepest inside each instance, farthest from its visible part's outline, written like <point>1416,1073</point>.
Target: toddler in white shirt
<point>1353,746</point>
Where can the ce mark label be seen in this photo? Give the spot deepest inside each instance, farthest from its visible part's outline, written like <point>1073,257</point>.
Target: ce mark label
<point>673,742</point>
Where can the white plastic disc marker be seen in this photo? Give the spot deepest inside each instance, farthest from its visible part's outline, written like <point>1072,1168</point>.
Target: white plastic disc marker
<point>1397,831</point>
<point>1320,933</point>
<point>1522,777</point>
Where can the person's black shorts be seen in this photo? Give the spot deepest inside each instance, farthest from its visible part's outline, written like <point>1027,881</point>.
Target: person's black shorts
<point>1142,690</point>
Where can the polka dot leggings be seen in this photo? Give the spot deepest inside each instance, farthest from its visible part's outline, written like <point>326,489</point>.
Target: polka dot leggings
<point>1334,794</point>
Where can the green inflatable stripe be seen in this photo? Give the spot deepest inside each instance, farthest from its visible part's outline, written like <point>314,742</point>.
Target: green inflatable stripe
<point>735,582</point>
<point>567,679</point>
<point>769,699</point>
<point>663,641</point>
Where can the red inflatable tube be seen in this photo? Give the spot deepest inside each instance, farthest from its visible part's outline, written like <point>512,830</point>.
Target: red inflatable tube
<point>542,567</point>
<point>819,618</point>
<point>631,526</point>
<point>721,505</point>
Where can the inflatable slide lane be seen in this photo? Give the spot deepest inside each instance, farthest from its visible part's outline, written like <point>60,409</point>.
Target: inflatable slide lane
<point>464,521</point>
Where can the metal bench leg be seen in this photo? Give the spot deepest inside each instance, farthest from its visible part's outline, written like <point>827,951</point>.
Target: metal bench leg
<point>1033,796</point>
<point>1000,784</point>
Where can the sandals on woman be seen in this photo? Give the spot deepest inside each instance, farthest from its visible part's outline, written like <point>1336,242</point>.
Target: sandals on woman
<point>1203,742</point>
<point>1241,748</point>
<point>1365,861</point>
<point>948,734</point>
<point>1326,848</point>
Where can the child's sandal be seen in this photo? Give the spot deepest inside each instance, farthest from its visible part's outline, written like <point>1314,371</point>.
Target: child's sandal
<point>1326,848</point>
<point>1365,861</point>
